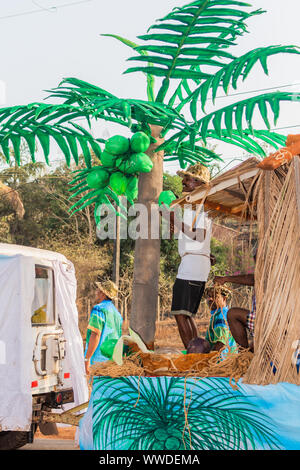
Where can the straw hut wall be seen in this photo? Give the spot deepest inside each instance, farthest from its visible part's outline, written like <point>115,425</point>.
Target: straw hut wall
<point>277,277</point>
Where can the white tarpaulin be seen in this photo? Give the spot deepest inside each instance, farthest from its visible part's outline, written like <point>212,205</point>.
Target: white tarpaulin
<point>65,287</point>
<point>17,280</point>
<point>16,341</point>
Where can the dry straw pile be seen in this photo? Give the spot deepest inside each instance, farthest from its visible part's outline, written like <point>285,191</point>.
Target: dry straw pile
<point>193,365</point>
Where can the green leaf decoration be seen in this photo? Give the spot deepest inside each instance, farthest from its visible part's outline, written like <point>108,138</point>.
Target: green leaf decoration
<point>185,154</point>
<point>181,40</point>
<point>193,45</point>
<point>39,124</point>
<point>228,75</point>
<point>245,109</point>
<point>44,139</point>
<point>133,45</point>
<point>250,140</point>
<point>5,147</point>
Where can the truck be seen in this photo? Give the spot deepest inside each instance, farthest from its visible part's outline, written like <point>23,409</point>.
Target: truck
<point>46,361</point>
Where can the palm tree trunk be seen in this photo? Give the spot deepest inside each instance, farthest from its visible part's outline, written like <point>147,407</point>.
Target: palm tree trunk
<point>147,251</point>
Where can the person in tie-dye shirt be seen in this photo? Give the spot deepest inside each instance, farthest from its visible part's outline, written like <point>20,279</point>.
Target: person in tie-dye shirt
<point>105,326</point>
<point>218,333</point>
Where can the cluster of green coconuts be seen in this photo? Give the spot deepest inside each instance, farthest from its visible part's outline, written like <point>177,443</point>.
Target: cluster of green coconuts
<point>122,161</point>
<point>167,439</point>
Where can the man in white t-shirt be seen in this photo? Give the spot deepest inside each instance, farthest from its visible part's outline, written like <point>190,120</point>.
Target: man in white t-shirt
<point>194,248</point>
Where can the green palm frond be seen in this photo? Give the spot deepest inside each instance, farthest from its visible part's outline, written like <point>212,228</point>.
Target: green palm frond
<point>133,45</point>
<point>238,68</point>
<point>249,141</point>
<point>184,154</point>
<point>41,123</point>
<point>87,196</point>
<point>102,105</point>
<point>233,124</point>
<point>201,32</point>
<point>234,114</point>
<point>82,101</point>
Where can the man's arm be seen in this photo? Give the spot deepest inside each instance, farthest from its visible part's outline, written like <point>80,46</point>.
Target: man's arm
<point>96,324</point>
<point>243,279</point>
<point>93,343</point>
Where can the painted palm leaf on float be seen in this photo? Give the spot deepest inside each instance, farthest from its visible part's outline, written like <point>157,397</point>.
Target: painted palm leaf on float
<point>191,52</point>
<point>146,414</point>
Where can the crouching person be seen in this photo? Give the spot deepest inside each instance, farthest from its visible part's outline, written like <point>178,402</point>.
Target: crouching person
<point>218,333</point>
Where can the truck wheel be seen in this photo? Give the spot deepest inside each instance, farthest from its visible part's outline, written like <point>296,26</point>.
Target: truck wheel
<point>10,440</point>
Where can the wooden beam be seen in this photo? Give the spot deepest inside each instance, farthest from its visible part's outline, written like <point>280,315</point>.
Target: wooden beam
<point>234,194</point>
<point>240,208</point>
<point>224,209</point>
<point>199,193</point>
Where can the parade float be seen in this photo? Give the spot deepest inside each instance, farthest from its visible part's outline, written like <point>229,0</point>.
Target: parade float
<point>247,401</point>
<point>252,401</point>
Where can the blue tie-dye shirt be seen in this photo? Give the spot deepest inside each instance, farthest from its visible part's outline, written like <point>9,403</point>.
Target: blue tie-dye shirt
<point>219,331</point>
<point>106,321</point>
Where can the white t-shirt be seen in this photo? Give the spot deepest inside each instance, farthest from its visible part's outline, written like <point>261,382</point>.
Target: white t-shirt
<point>195,255</point>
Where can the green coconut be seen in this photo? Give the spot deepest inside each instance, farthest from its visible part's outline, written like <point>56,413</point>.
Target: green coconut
<point>139,142</point>
<point>139,163</point>
<point>173,443</point>
<point>117,145</point>
<point>122,163</point>
<point>132,189</point>
<point>97,178</point>
<point>108,159</point>
<point>161,434</point>
<point>118,183</point>
<point>166,197</point>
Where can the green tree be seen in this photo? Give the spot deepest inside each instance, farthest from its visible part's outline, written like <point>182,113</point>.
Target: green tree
<point>192,48</point>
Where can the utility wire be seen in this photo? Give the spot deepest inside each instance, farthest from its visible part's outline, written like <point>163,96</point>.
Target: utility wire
<point>256,91</point>
<point>248,92</point>
<point>51,9</point>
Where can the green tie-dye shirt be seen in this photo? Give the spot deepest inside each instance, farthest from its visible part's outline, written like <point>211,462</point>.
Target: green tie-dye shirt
<point>106,321</point>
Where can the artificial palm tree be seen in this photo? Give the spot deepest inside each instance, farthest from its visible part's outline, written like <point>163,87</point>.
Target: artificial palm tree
<point>190,51</point>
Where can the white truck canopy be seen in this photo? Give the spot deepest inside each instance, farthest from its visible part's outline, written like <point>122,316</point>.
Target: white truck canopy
<point>39,255</point>
<point>17,280</point>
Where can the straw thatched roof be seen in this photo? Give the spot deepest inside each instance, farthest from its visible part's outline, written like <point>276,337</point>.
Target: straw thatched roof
<point>228,194</point>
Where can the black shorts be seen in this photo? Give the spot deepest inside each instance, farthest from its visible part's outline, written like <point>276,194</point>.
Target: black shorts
<point>186,297</point>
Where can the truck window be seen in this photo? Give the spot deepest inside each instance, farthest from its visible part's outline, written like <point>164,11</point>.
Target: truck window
<point>43,302</point>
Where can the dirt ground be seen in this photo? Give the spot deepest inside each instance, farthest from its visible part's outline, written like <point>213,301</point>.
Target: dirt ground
<point>66,432</point>
<point>166,336</point>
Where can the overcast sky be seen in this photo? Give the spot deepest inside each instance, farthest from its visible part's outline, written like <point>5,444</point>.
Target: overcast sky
<point>42,44</point>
